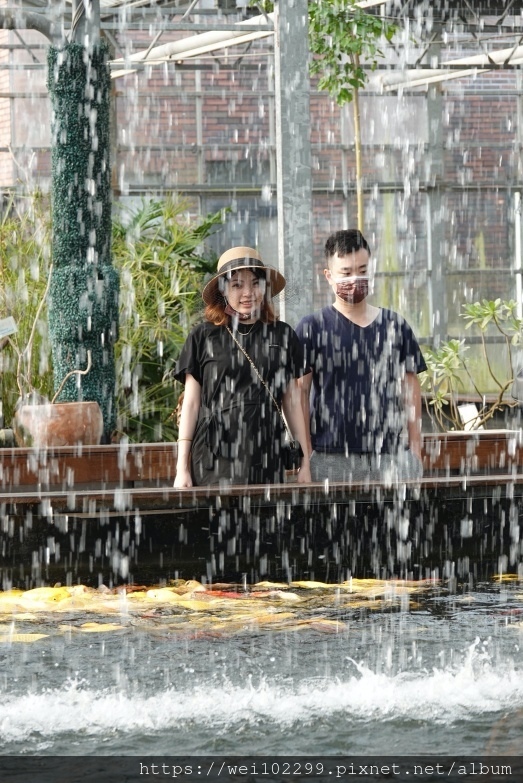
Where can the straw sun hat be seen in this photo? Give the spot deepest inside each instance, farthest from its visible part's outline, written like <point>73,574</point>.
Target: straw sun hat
<point>241,258</point>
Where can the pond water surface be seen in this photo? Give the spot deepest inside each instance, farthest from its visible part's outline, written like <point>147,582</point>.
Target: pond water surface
<point>361,668</point>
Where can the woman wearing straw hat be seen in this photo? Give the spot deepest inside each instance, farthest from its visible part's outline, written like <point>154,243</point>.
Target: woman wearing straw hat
<point>239,368</point>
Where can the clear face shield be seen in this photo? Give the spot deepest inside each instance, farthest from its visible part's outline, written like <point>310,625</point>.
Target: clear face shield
<point>225,280</point>
<point>231,292</point>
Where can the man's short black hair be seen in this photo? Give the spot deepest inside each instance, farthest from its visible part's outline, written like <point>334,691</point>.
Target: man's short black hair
<point>344,242</point>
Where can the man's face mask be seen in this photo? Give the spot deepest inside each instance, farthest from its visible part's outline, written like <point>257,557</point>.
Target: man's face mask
<point>352,289</point>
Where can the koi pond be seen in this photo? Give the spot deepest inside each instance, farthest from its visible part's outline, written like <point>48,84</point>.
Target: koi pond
<point>362,667</point>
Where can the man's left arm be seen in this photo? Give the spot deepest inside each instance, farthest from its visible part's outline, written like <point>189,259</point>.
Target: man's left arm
<point>412,397</point>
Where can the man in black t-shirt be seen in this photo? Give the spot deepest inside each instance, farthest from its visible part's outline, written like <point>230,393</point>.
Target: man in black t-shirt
<point>363,389</point>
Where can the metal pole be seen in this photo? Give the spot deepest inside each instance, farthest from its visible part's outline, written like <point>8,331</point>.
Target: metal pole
<point>293,156</point>
<point>437,251</point>
<point>517,204</point>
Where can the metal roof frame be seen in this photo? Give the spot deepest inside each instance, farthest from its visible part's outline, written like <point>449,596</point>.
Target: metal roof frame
<point>451,20</point>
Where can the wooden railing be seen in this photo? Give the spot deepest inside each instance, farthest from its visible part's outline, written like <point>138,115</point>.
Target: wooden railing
<point>95,467</point>
<point>99,468</point>
<point>473,453</point>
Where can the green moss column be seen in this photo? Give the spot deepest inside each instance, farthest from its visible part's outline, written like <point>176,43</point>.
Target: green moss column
<point>83,296</point>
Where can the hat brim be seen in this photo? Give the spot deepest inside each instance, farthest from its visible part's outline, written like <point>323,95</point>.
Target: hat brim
<point>276,282</point>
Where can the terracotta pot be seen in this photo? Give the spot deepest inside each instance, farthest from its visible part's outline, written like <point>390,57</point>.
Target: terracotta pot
<point>61,424</point>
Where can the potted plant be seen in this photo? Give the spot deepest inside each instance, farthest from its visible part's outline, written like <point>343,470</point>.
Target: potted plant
<point>26,382</point>
<point>42,422</point>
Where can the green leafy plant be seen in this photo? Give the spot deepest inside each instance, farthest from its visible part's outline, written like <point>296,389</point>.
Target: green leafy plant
<point>345,41</point>
<point>25,241</point>
<point>450,372</point>
<point>158,250</point>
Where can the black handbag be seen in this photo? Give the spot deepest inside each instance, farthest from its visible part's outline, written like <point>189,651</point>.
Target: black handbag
<point>291,453</point>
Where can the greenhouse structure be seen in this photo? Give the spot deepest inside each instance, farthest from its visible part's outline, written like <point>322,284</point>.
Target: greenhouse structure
<point>212,99</point>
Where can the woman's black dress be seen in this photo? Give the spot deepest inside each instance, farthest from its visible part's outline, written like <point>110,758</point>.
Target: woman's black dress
<point>239,431</point>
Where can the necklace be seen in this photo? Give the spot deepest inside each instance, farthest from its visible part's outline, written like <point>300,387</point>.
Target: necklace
<point>244,334</point>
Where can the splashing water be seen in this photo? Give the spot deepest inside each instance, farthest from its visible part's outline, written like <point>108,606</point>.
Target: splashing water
<point>322,669</point>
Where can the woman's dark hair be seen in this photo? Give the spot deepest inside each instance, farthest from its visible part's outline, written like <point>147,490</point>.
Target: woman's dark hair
<point>215,312</point>
<point>344,242</point>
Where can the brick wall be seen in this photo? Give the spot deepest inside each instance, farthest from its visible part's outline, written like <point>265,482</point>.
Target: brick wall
<point>232,157</point>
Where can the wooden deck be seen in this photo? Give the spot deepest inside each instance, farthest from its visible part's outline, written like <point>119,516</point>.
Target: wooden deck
<point>110,513</point>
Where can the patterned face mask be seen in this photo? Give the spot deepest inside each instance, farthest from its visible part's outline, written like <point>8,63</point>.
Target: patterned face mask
<point>352,290</point>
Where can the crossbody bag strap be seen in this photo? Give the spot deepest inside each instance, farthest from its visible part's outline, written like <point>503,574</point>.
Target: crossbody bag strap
<point>242,349</point>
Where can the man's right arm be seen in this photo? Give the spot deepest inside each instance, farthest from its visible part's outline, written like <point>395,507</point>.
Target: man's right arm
<point>305,331</point>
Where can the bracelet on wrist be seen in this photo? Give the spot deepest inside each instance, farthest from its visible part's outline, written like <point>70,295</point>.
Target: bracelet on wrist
<point>188,439</point>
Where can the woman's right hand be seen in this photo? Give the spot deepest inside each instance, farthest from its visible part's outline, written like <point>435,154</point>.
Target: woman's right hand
<point>186,429</point>
<point>183,479</point>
